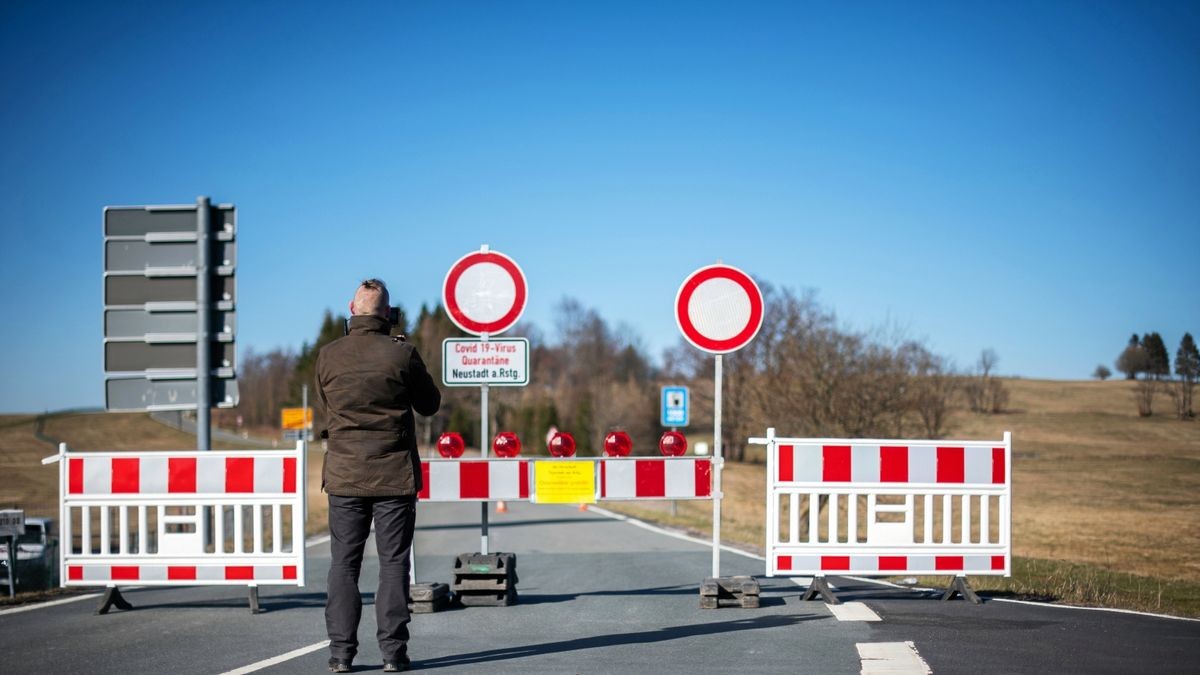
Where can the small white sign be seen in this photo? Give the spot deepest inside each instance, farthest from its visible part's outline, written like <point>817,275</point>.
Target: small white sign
<point>12,523</point>
<point>499,362</point>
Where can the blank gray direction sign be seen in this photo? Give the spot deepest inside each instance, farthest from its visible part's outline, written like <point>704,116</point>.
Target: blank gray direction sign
<point>137,221</point>
<point>136,323</point>
<point>139,289</point>
<point>139,394</point>
<point>127,357</point>
<point>135,255</point>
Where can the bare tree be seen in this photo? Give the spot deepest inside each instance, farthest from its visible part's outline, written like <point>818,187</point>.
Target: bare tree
<point>985,392</point>
<point>1102,372</point>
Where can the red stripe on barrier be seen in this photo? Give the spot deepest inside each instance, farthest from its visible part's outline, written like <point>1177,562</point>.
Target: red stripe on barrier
<point>289,474</point>
<point>893,562</point>
<point>998,562</point>
<point>603,479</point>
<point>786,463</point>
<point>893,464</point>
<point>240,572</point>
<point>950,467</point>
<point>124,573</point>
<point>836,464</point>
<point>998,468</point>
<point>473,480</point>
<point>948,562</point>
<point>424,493</point>
<point>74,572</point>
<point>289,571</point>
<point>651,480</point>
<point>181,573</point>
<point>125,478</point>
<point>75,469</point>
<point>703,478</point>
<point>181,474</point>
<point>523,476</point>
<point>239,474</point>
<point>835,563</point>
<point>783,562</point>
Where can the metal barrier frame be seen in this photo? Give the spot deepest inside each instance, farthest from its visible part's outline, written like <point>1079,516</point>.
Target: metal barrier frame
<point>954,555</point>
<point>236,568</point>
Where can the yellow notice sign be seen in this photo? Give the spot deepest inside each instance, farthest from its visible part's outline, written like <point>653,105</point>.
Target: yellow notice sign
<point>564,481</point>
<point>294,418</point>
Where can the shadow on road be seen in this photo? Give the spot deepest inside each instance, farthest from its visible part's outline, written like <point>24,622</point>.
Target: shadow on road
<point>619,639</point>
<point>269,603</point>
<point>492,523</point>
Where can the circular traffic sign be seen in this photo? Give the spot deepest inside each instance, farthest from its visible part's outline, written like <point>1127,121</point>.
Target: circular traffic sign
<point>719,309</point>
<point>484,292</point>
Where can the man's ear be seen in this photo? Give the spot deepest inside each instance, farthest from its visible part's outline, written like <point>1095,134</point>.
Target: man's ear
<point>351,306</point>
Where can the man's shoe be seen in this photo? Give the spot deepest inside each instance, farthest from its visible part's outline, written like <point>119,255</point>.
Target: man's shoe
<point>337,665</point>
<point>396,665</point>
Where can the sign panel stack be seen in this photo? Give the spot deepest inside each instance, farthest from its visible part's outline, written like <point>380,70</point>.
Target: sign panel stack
<point>155,262</point>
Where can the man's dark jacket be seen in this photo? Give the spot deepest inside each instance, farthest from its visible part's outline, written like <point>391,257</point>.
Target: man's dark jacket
<point>370,384</point>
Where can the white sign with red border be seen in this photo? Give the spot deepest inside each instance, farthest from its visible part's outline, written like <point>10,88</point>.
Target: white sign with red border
<point>719,309</point>
<point>484,292</point>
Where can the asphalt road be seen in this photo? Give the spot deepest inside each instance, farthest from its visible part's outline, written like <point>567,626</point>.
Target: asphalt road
<point>597,595</point>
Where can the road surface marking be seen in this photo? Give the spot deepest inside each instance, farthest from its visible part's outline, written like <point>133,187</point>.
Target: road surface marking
<point>853,611</point>
<point>891,657</point>
<point>51,603</point>
<point>670,533</point>
<point>275,660</point>
<point>804,581</point>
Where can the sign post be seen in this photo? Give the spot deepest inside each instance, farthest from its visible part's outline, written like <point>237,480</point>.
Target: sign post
<point>719,310</point>
<point>484,294</point>
<point>12,525</point>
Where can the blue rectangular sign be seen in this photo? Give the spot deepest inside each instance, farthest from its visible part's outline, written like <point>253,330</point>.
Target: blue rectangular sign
<point>674,406</point>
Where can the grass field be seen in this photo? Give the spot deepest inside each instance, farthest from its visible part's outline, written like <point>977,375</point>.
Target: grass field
<point>1106,505</point>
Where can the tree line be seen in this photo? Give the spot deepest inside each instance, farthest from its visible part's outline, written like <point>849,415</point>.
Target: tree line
<point>804,372</point>
<point>1146,362</point>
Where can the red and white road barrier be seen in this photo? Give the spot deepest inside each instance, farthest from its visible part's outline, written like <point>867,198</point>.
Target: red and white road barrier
<point>884,507</point>
<point>617,478</point>
<point>182,518</point>
<point>469,480</point>
<point>655,478</point>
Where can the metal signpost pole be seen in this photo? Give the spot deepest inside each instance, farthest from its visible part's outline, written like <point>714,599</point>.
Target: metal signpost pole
<point>203,347</point>
<point>483,436</point>
<point>718,463</point>
<point>203,324</point>
<point>11,550</point>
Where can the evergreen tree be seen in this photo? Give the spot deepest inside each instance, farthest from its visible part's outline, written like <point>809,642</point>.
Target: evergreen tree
<point>1187,359</point>
<point>1187,367</point>
<point>1159,362</point>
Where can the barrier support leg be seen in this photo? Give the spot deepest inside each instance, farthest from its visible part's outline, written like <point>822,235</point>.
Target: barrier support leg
<point>820,587</point>
<point>254,608</point>
<point>112,596</point>
<point>960,586</point>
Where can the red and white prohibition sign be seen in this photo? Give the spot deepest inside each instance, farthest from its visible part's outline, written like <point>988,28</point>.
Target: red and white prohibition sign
<point>484,292</point>
<point>719,309</point>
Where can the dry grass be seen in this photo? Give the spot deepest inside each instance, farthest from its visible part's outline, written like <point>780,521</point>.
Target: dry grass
<point>1106,505</point>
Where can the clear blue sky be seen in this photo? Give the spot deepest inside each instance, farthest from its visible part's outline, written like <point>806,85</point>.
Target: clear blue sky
<point>1020,176</point>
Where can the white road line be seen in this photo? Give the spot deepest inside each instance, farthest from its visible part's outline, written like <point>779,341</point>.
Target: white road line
<point>275,660</point>
<point>51,603</point>
<point>315,541</point>
<point>670,533</point>
<point>853,611</point>
<point>805,581</point>
<point>891,657</point>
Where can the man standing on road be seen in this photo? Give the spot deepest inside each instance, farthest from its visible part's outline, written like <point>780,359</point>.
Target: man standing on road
<point>369,385</point>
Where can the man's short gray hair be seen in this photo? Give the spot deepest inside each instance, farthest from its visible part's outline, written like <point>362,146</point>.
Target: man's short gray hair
<point>370,298</point>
